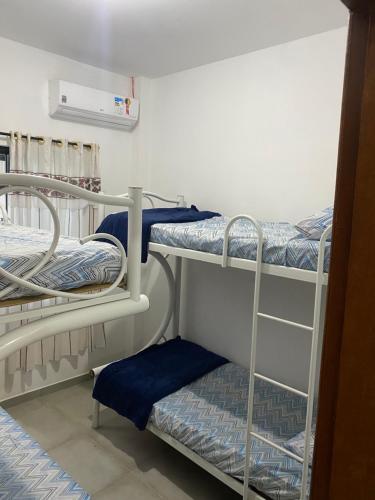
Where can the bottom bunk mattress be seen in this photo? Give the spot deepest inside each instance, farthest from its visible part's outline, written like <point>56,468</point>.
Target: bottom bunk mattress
<point>72,266</point>
<point>27,472</point>
<point>209,417</point>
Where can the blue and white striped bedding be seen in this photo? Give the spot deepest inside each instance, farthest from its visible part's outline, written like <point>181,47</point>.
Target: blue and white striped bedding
<point>209,417</point>
<point>27,472</point>
<point>283,244</point>
<point>314,226</point>
<point>72,266</point>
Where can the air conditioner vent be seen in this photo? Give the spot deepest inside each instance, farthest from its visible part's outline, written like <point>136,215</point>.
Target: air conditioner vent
<point>72,102</point>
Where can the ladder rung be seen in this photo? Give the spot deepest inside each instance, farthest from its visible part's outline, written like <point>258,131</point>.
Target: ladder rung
<point>283,386</point>
<point>274,445</point>
<point>286,322</point>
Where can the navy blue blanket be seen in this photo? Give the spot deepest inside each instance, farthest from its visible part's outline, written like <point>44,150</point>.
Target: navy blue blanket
<point>131,386</point>
<point>117,224</point>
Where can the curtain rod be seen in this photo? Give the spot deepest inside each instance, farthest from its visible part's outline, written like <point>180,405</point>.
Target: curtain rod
<point>54,141</point>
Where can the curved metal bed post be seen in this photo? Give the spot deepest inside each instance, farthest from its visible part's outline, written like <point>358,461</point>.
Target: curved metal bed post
<point>314,358</point>
<point>150,200</point>
<point>179,201</point>
<point>227,229</point>
<point>50,251</point>
<point>95,372</point>
<point>34,181</point>
<point>150,196</point>
<point>31,184</point>
<point>5,215</point>
<point>161,331</point>
<point>70,320</point>
<point>95,311</point>
<point>254,334</point>
<point>22,282</point>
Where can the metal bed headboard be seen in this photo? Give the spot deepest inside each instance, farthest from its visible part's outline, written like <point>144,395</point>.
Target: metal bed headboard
<point>98,307</point>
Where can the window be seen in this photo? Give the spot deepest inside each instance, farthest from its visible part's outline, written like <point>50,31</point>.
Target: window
<point>4,159</point>
<point>4,167</point>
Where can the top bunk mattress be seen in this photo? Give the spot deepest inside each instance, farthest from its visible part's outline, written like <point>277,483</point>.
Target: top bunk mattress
<point>283,244</point>
<point>209,417</point>
<point>27,472</point>
<point>72,266</point>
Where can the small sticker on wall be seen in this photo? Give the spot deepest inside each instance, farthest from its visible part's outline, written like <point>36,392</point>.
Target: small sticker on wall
<point>127,105</point>
<point>119,105</point>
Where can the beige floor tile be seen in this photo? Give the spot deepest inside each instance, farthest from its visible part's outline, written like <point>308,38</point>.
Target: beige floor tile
<point>83,389</point>
<point>22,408</point>
<point>175,477</point>
<point>128,488</point>
<point>122,437</point>
<point>46,425</point>
<point>91,465</point>
<point>74,402</point>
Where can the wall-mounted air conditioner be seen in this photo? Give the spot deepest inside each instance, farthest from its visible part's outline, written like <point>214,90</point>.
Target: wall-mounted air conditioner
<point>72,102</point>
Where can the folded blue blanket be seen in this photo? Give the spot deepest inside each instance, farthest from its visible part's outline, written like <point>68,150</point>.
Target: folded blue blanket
<point>117,224</point>
<point>131,386</point>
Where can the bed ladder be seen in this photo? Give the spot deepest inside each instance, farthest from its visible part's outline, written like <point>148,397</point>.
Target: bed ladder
<point>314,330</point>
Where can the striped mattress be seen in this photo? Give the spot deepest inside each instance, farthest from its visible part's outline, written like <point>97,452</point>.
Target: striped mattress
<point>209,417</point>
<point>283,244</point>
<point>27,472</point>
<point>72,266</point>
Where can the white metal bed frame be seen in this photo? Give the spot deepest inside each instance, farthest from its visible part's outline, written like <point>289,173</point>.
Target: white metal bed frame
<point>318,277</point>
<point>84,309</point>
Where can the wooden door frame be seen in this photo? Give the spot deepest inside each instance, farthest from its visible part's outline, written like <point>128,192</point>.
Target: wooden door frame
<point>344,461</point>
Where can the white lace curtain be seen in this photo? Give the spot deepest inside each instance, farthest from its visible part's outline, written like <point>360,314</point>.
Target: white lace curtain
<point>76,164</point>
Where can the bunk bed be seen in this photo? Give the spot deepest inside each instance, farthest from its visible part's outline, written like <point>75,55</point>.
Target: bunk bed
<point>267,455</point>
<point>102,283</point>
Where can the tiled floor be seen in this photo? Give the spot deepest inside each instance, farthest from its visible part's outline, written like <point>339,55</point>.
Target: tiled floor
<point>115,462</point>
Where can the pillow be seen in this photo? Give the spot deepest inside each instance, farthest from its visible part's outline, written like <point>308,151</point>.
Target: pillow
<point>297,445</point>
<point>314,226</point>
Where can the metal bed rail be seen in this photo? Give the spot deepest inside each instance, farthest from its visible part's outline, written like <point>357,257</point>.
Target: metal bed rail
<point>179,201</point>
<point>89,308</point>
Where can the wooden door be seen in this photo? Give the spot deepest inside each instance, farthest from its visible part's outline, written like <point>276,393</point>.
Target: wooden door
<point>344,462</point>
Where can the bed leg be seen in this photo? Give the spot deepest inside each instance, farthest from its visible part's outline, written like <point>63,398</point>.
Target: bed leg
<point>177,294</point>
<point>95,411</point>
<point>96,414</point>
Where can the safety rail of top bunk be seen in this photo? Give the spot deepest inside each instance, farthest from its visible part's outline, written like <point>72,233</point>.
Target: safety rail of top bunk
<point>100,306</point>
<point>253,374</point>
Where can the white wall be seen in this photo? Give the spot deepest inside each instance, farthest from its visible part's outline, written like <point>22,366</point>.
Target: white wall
<point>253,134</point>
<point>24,106</point>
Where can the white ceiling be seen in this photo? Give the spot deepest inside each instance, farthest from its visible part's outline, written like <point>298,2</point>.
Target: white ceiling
<point>156,37</point>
